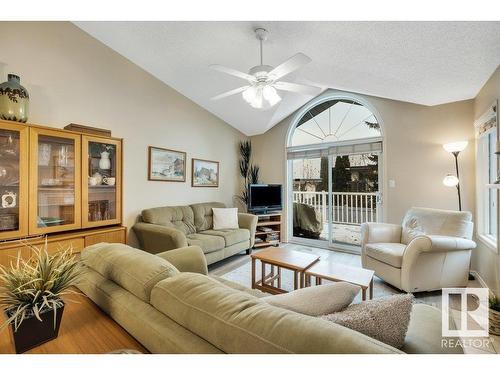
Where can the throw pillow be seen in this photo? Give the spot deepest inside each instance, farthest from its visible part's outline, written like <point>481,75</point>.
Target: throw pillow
<point>384,319</point>
<point>225,218</point>
<point>316,300</point>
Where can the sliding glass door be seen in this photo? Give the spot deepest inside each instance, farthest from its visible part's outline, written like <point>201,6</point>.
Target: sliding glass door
<point>310,198</point>
<point>333,192</point>
<point>355,197</point>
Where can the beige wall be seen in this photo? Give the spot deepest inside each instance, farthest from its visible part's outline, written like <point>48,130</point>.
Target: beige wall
<point>486,260</point>
<point>72,77</point>
<point>414,156</point>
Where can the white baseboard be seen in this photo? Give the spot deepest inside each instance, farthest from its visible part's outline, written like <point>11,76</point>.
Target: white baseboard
<point>480,279</point>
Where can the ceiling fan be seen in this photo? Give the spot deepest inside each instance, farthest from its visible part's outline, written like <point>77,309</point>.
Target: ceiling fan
<point>264,80</point>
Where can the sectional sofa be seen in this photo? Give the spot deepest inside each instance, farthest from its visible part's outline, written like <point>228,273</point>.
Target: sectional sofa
<point>165,228</point>
<point>170,305</point>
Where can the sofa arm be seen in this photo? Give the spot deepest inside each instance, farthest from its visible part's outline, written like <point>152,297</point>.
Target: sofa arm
<point>187,259</point>
<point>248,221</point>
<point>380,232</point>
<point>435,243</point>
<point>157,238</point>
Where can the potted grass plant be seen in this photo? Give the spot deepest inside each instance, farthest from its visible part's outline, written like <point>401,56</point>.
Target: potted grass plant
<point>31,292</point>
<point>494,315</point>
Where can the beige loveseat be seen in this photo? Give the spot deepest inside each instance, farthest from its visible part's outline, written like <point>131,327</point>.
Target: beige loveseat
<point>166,228</point>
<point>431,250</point>
<point>170,305</point>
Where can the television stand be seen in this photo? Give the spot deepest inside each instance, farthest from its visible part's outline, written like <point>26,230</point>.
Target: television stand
<point>268,232</point>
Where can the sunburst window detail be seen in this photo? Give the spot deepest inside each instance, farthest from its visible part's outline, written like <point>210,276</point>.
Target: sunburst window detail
<point>334,121</point>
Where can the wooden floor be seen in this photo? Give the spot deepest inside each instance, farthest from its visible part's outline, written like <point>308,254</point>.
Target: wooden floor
<point>84,329</point>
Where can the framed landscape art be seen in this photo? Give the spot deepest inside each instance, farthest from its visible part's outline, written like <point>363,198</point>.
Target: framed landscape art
<point>166,165</point>
<point>205,173</point>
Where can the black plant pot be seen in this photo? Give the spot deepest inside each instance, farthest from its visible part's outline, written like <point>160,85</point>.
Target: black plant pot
<point>33,332</point>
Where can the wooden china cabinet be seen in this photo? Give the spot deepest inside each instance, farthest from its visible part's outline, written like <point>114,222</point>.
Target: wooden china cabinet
<point>58,185</point>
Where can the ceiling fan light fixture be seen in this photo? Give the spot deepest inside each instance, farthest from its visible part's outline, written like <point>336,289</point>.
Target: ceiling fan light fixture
<point>261,97</point>
<point>249,95</point>
<point>271,95</point>
<point>263,81</point>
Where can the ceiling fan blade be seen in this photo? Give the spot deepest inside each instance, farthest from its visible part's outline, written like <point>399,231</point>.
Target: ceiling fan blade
<point>233,72</point>
<point>294,87</point>
<point>231,92</point>
<point>293,63</point>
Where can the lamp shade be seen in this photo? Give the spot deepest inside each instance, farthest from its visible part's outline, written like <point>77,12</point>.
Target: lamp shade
<point>455,146</point>
<point>450,180</point>
<point>261,96</point>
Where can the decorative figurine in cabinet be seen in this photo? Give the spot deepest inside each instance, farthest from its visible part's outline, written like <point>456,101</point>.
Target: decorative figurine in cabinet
<point>101,181</point>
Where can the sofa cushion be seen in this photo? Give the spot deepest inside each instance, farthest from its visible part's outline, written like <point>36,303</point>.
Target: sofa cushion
<point>203,214</point>
<point>207,243</point>
<point>236,322</point>
<point>418,221</point>
<point>253,292</point>
<point>424,334</point>
<point>225,218</point>
<point>316,300</point>
<point>389,253</point>
<point>178,217</point>
<point>231,236</point>
<point>134,270</point>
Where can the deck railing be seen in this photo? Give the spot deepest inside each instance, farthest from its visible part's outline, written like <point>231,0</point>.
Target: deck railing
<point>347,208</point>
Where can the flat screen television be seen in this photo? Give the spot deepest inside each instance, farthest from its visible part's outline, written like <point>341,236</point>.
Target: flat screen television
<point>264,198</point>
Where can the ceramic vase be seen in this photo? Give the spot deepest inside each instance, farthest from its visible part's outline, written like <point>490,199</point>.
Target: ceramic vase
<point>14,100</point>
<point>104,163</point>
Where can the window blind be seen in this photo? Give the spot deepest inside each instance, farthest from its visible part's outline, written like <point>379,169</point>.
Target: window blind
<point>360,148</point>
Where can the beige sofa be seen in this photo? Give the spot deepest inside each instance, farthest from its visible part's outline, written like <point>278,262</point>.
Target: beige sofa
<point>169,311</point>
<point>431,250</point>
<point>166,228</point>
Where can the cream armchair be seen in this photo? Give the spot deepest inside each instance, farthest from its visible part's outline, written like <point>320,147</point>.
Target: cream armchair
<point>429,251</point>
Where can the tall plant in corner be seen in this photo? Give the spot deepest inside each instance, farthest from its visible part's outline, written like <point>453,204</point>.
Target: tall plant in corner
<point>248,171</point>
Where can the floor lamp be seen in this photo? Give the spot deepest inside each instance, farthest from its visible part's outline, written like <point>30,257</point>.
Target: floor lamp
<point>455,148</point>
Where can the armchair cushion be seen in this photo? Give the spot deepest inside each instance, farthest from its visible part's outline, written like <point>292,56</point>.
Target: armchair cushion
<point>230,236</point>
<point>380,232</point>
<point>429,221</point>
<point>441,243</point>
<point>389,253</point>
<point>207,243</point>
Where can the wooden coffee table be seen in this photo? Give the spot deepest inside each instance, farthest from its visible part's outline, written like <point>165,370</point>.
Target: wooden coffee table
<point>85,329</point>
<point>339,272</point>
<point>292,260</point>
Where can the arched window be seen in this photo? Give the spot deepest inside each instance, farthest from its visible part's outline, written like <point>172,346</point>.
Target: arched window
<point>334,156</point>
<point>335,120</point>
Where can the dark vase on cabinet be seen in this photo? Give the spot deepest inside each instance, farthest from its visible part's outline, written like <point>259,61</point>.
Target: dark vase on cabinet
<point>14,100</point>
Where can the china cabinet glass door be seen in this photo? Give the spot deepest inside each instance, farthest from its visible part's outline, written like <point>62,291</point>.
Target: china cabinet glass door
<point>13,180</point>
<point>101,181</point>
<point>55,181</point>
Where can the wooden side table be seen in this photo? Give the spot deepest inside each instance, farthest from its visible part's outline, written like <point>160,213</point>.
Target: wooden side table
<point>85,329</point>
<point>339,272</point>
<point>292,260</point>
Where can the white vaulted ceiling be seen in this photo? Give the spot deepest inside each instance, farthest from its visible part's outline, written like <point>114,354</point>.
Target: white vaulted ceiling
<point>419,62</point>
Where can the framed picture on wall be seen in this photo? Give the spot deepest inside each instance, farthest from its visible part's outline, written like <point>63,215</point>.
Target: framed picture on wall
<point>205,173</point>
<point>166,165</point>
